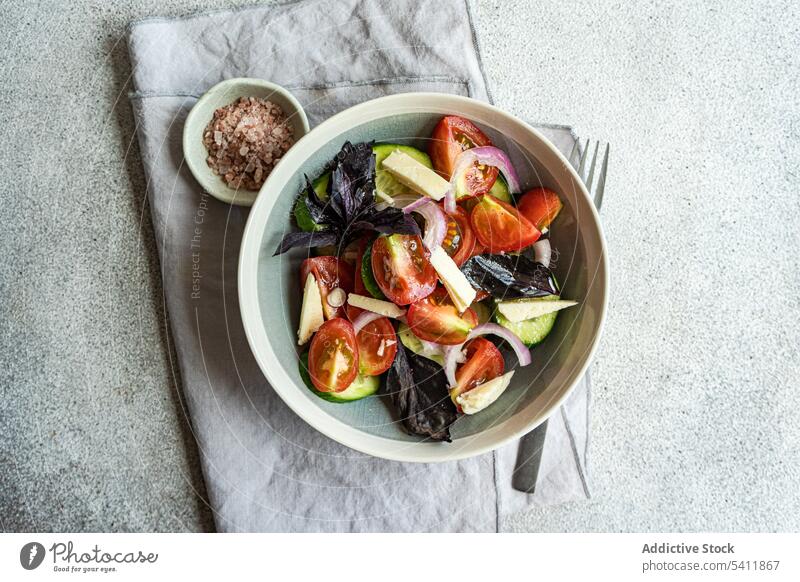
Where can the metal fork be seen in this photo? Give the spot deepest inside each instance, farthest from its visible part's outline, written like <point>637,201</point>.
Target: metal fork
<point>529,456</point>
<point>578,161</point>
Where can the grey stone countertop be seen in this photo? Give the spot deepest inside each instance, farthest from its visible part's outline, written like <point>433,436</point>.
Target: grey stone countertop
<point>696,421</point>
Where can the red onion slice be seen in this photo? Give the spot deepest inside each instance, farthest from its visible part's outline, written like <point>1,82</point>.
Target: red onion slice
<point>488,156</point>
<point>363,319</point>
<point>435,221</point>
<point>522,351</point>
<point>403,200</point>
<point>542,251</point>
<point>416,204</point>
<point>450,198</point>
<point>453,355</point>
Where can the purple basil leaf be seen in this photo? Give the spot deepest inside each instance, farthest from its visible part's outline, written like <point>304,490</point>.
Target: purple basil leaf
<point>340,194</point>
<point>349,211</point>
<point>357,159</point>
<point>407,226</point>
<point>417,387</point>
<point>363,201</point>
<point>317,209</point>
<point>306,239</point>
<point>395,220</point>
<point>509,276</point>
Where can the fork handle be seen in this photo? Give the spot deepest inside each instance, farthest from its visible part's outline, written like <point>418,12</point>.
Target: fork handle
<point>529,459</point>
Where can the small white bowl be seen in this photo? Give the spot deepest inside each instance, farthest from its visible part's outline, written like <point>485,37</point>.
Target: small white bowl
<point>220,95</point>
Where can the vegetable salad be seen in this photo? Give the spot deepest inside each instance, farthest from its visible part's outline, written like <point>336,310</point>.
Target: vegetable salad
<point>430,277</point>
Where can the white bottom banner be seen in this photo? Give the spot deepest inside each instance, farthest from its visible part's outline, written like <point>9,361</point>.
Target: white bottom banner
<point>400,557</point>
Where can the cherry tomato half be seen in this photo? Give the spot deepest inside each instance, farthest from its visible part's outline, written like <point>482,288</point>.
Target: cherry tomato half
<point>330,273</point>
<point>333,356</point>
<point>377,346</point>
<point>401,268</point>
<point>478,249</point>
<point>540,206</point>
<point>484,362</point>
<point>358,283</point>
<point>436,319</point>
<point>459,241</point>
<point>451,136</point>
<point>500,227</point>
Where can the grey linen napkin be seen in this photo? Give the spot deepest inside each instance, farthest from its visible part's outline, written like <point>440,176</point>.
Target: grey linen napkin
<point>265,469</point>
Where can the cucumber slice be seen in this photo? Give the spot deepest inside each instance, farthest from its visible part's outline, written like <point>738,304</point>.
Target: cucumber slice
<point>483,310</point>
<point>370,284</point>
<point>320,185</point>
<point>385,183</point>
<point>530,331</point>
<point>409,340</point>
<point>500,190</point>
<point>361,387</point>
<point>301,214</point>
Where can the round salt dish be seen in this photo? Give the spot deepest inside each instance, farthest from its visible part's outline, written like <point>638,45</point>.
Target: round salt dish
<point>220,95</point>
<point>270,302</point>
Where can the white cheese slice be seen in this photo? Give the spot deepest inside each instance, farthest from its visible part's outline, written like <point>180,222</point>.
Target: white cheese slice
<point>311,316</point>
<point>482,396</point>
<point>524,309</point>
<point>457,285</point>
<point>386,308</point>
<point>415,175</point>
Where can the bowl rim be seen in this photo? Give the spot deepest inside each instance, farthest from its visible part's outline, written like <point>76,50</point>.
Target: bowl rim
<point>260,345</point>
<point>210,182</point>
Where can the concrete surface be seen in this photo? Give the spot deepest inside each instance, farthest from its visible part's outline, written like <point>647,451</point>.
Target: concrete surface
<point>697,408</point>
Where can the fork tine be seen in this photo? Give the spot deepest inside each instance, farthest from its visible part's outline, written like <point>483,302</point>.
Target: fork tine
<point>592,167</point>
<point>582,163</point>
<point>571,157</point>
<point>601,179</point>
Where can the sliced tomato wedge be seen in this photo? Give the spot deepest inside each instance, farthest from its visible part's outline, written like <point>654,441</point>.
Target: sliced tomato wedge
<point>484,362</point>
<point>540,206</point>
<point>333,356</point>
<point>479,248</point>
<point>358,283</point>
<point>401,268</point>
<point>500,227</point>
<point>377,346</point>
<point>451,136</point>
<point>330,273</point>
<point>436,319</point>
<point>459,241</point>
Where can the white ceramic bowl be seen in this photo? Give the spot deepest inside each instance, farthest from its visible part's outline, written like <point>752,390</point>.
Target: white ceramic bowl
<point>220,95</point>
<point>269,287</point>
